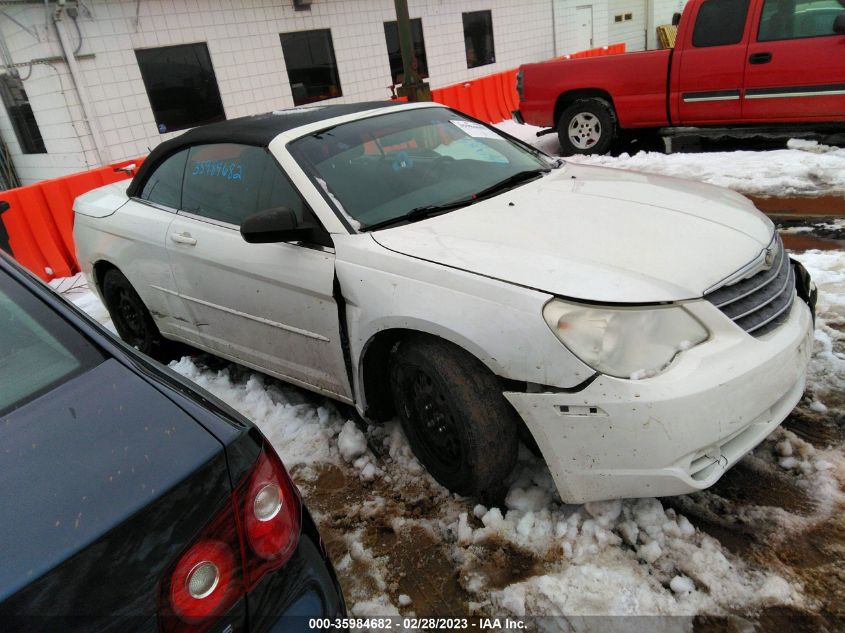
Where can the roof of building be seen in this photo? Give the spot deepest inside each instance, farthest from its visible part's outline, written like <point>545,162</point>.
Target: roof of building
<point>257,129</point>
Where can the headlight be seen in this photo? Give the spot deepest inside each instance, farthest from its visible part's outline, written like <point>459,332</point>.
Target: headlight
<point>624,342</point>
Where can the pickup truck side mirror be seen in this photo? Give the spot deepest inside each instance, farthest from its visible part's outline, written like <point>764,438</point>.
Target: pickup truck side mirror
<point>676,19</point>
<point>839,24</point>
<point>274,225</point>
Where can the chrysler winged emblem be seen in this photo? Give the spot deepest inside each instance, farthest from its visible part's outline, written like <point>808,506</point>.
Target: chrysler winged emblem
<point>770,257</point>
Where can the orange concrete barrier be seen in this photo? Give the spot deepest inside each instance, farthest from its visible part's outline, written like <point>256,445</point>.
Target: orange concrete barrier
<point>493,98</point>
<point>39,221</point>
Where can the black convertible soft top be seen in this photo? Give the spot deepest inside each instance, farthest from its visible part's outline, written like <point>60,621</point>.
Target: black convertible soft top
<point>258,130</point>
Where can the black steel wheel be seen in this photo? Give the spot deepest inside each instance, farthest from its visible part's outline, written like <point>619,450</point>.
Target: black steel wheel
<point>456,419</point>
<point>130,316</point>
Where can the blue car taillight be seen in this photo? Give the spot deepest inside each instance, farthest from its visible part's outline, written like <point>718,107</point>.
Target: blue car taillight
<point>252,535</point>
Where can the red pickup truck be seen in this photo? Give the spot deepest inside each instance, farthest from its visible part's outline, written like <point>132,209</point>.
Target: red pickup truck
<point>736,63</point>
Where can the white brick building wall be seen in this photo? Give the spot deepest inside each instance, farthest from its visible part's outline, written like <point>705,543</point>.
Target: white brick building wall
<point>243,41</point>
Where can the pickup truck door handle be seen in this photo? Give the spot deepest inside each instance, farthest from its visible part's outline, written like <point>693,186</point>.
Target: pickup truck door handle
<point>183,238</point>
<point>760,58</point>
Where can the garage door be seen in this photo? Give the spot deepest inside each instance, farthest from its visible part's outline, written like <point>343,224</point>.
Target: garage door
<point>627,23</point>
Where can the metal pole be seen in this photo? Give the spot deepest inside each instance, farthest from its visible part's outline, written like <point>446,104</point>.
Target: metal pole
<point>85,101</point>
<point>414,88</point>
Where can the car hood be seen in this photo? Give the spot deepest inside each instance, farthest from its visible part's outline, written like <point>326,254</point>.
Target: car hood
<point>596,234</point>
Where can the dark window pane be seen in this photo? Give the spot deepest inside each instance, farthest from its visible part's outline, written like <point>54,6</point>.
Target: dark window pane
<point>39,350</point>
<point>394,54</point>
<point>478,37</point>
<point>20,113</point>
<point>791,19</point>
<point>311,65</point>
<point>720,23</point>
<point>164,186</point>
<point>223,181</point>
<point>277,191</point>
<point>181,85</point>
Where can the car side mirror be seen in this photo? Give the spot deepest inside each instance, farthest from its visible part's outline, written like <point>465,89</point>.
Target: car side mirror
<point>839,24</point>
<point>676,19</point>
<point>4,206</point>
<point>274,225</point>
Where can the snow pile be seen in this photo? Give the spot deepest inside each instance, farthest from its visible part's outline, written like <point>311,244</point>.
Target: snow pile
<point>805,168</point>
<point>302,432</point>
<point>827,366</point>
<point>611,558</point>
<point>76,290</point>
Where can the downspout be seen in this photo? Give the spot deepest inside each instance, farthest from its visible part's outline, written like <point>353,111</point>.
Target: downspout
<point>554,30</point>
<point>81,88</point>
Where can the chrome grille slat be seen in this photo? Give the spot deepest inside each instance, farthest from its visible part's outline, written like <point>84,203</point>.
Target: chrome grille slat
<point>784,274</point>
<point>767,277</point>
<point>773,317</point>
<point>759,303</point>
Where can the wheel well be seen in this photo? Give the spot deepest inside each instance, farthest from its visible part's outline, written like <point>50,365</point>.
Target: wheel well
<point>100,270</point>
<point>375,378</point>
<point>568,98</point>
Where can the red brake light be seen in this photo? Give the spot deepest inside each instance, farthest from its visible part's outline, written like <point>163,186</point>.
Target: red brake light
<point>271,516</point>
<point>193,601</point>
<point>255,533</point>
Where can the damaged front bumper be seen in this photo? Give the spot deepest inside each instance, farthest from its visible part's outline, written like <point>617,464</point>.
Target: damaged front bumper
<point>681,430</point>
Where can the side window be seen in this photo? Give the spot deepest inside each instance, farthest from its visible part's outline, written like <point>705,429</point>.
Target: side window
<point>277,191</point>
<point>164,186</point>
<point>222,181</point>
<point>720,23</point>
<point>796,19</point>
<point>229,182</point>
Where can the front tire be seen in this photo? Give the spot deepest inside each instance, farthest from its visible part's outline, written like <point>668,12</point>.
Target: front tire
<point>457,421</point>
<point>588,126</point>
<point>130,316</point>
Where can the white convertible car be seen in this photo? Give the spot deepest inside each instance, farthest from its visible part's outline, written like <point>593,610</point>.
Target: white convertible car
<point>643,333</point>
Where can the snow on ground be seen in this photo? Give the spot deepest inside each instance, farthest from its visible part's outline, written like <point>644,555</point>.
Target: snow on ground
<point>805,168</point>
<point>619,557</point>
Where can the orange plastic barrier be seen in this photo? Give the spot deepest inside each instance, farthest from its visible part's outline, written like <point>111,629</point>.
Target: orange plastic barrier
<point>493,98</point>
<point>39,220</point>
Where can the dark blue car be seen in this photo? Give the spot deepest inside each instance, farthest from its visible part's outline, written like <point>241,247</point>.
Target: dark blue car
<point>130,500</point>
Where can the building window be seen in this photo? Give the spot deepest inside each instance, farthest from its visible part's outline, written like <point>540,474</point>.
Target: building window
<point>478,37</point>
<point>312,69</point>
<point>181,85</point>
<point>394,53</point>
<point>20,113</point>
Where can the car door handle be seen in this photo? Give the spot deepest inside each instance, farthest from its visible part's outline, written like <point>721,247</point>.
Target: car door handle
<point>183,238</point>
<point>760,58</point>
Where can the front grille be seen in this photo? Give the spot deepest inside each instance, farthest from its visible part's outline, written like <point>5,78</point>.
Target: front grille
<point>760,303</point>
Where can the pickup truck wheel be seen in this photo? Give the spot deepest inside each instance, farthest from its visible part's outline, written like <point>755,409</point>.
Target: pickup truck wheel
<point>588,126</point>
<point>130,316</point>
<point>452,410</point>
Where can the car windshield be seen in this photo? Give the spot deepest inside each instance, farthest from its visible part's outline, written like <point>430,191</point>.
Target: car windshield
<point>38,349</point>
<point>381,168</point>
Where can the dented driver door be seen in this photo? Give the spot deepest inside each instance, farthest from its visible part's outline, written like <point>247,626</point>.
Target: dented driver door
<point>268,306</point>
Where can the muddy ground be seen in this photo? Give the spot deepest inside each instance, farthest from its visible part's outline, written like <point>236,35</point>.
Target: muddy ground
<point>419,564</point>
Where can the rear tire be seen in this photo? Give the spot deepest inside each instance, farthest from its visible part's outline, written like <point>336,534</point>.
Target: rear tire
<point>457,421</point>
<point>588,126</point>
<point>130,316</point>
